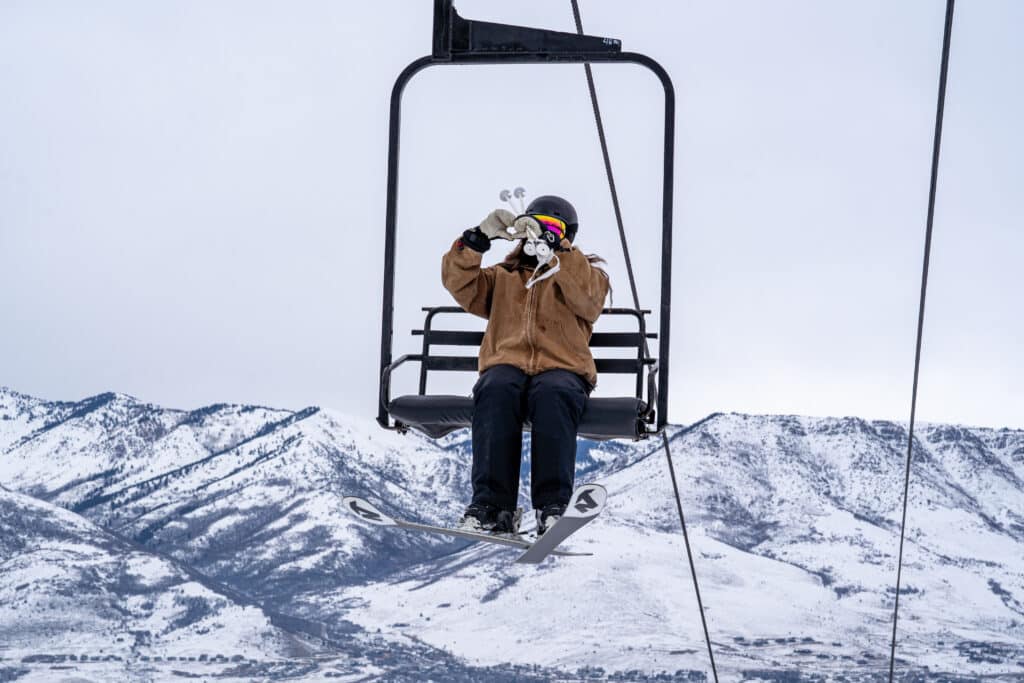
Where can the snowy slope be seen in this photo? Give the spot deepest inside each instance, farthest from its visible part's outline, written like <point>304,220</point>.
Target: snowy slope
<point>794,521</point>
<point>66,585</point>
<point>77,600</point>
<point>243,494</point>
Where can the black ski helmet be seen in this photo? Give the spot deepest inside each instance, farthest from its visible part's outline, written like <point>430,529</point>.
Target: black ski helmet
<point>550,205</point>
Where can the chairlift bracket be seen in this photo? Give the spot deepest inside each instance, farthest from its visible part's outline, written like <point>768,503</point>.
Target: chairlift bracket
<point>455,37</point>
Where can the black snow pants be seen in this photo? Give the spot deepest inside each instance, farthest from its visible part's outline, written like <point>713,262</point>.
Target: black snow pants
<point>503,398</point>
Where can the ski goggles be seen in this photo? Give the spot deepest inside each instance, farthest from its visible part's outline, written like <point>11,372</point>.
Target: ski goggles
<point>550,223</point>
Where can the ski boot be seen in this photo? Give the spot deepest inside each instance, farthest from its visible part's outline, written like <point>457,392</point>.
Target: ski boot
<point>547,516</point>
<point>490,519</point>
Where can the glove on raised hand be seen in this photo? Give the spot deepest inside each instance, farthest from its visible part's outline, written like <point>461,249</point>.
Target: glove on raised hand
<point>497,223</point>
<point>495,226</point>
<point>528,227</point>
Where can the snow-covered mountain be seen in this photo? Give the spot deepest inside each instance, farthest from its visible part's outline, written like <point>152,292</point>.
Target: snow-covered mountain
<point>794,522</point>
<point>68,586</point>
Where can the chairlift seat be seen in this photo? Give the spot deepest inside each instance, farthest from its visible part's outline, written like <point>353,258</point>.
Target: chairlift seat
<point>604,417</point>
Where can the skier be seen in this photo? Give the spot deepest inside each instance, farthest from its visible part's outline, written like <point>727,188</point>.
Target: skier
<point>540,303</point>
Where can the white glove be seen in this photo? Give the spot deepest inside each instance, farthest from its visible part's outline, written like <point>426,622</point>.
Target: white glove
<point>527,227</point>
<point>497,224</point>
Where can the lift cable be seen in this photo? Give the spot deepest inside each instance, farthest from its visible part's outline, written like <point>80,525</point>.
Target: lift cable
<point>939,110</point>
<point>636,304</point>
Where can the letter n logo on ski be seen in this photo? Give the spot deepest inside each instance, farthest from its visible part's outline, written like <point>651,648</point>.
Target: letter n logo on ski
<point>371,515</point>
<point>585,502</point>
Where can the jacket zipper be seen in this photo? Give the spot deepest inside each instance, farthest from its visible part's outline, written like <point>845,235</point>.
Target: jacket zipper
<point>530,314</point>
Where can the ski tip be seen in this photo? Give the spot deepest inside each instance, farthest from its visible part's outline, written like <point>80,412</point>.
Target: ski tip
<point>587,501</point>
<point>365,511</point>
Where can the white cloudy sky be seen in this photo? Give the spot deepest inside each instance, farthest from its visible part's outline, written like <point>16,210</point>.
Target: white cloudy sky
<point>192,194</point>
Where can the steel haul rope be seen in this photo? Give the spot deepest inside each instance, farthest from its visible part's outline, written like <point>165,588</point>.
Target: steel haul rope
<point>936,146</point>
<point>636,303</point>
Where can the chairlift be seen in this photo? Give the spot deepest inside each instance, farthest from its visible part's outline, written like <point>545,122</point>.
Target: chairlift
<point>459,41</point>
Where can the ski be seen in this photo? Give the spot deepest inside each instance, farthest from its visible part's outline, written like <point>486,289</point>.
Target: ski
<point>586,503</point>
<point>366,511</point>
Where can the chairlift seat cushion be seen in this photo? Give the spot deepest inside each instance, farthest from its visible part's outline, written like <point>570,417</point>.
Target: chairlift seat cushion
<point>437,415</point>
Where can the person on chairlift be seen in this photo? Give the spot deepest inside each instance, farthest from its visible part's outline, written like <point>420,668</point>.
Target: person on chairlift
<point>541,303</point>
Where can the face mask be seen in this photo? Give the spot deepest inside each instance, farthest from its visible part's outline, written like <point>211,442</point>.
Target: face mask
<point>544,255</point>
<point>540,249</point>
<point>540,243</point>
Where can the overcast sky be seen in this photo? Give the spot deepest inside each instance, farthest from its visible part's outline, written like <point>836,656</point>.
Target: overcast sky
<point>192,195</point>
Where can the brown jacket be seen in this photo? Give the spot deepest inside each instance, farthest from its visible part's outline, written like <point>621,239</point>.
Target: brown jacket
<point>542,328</point>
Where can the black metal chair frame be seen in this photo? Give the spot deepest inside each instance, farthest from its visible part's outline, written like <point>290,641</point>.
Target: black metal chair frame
<point>644,368</point>
<point>458,41</point>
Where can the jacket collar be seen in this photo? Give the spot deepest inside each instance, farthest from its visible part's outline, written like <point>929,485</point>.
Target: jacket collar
<point>512,262</point>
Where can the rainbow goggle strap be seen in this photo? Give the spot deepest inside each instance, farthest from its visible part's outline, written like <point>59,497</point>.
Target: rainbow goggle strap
<point>550,223</point>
